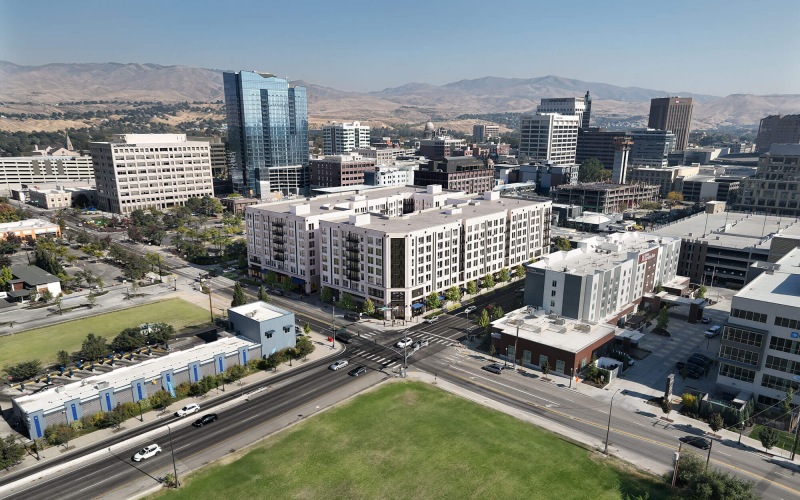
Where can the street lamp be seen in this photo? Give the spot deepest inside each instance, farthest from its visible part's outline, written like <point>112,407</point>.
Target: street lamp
<point>608,428</point>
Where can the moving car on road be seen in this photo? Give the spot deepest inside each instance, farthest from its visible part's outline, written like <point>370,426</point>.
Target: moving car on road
<point>147,452</point>
<point>469,309</point>
<point>494,368</point>
<point>358,370</point>
<point>205,419</point>
<point>187,410</point>
<point>713,331</point>
<point>344,338</point>
<point>338,364</point>
<point>352,316</point>
<point>431,320</point>
<point>697,441</point>
<point>404,342</point>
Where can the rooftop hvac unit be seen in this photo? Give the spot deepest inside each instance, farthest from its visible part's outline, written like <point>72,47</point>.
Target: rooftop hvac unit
<point>562,329</point>
<point>552,316</point>
<point>561,321</point>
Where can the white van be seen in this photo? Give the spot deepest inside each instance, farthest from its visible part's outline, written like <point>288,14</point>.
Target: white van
<point>713,331</point>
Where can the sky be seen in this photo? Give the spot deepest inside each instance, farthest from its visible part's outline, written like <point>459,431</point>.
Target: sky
<point>706,47</point>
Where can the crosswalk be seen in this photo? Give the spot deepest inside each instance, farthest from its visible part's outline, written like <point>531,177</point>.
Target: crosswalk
<point>377,358</point>
<point>418,335</point>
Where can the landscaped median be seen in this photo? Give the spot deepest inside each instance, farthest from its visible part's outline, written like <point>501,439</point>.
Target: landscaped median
<point>412,440</point>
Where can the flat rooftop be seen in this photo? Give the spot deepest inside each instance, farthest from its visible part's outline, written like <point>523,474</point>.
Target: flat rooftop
<point>122,377</point>
<point>259,311</point>
<point>555,331</point>
<point>318,204</point>
<point>732,230</point>
<point>26,224</point>
<point>779,286</point>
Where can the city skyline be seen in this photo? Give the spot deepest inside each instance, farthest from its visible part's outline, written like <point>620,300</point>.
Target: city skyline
<point>698,55</point>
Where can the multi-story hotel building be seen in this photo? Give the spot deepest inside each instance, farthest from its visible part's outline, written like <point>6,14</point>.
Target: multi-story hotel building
<point>150,171</point>
<point>549,136</point>
<point>395,245</point>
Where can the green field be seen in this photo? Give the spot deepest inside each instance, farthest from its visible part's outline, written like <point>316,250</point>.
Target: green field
<point>785,439</point>
<point>43,343</point>
<point>411,440</point>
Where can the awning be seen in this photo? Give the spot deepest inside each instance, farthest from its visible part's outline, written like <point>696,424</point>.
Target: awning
<point>298,281</point>
<point>418,305</point>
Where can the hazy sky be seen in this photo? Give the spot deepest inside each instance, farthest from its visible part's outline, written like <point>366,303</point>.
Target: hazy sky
<point>706,46</point>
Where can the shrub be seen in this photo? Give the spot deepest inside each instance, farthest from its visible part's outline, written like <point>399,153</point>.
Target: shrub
<point>182,390</point>
<point>160,399</point>
<point>58,434</point>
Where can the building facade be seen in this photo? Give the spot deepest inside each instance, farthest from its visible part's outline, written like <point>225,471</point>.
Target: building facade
<point>142,171</point>
<point>548,136</point>
<point>597,143</point>
<point>484,132</point>
<point>219,154</point>
<point>663,177</point>
<point>339,170</point>
<point>460,173</point>
<point>548,175</point>
<point>700,188</point>
<point>777,129</point>
<point>18,170</point>
<point>571,106</point>
<point>605,198</point>
<point>268,325</point>
<point>267,134</point>
<point>775,189</point>
<point>604,279</point>
<point>673,114</point>
<point>29,229</point>
<point>384,175</point>
<point>439,148</point>
<point>343,138</point>
<point>651,147</point>
<point>50,198</point>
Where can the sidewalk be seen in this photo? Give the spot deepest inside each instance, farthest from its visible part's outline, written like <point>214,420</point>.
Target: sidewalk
<point>323,350</point>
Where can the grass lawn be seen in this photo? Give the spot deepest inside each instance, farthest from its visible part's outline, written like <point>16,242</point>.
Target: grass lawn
<point>785,439</point>
<point>43,343</point>
<point>411,440</point>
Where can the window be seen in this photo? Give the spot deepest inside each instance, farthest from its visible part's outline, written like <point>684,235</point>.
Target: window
<point>778,383</point>
<point>785,345</point>
<point>749,315</point>
<point>787,322</point>
<point>742,336</point>
<point>783,365</point>
<point>740,355</point>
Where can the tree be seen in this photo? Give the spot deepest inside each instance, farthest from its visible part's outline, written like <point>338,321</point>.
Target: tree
<point>160,399</point>
<point>519,271</point>
<point>497,313</point>
<point>128,340</point>
<point>484,321</point>
<point>160,333</point>
<point>674,197</point>
<point>24,370</point>
<point>94,347</point>
<point>239,298</point>
<point>5,278</point>
<point>666,406</point>
<point>63,358</point>
<point>650,205</point>
<point>272,279</point>
<point>304,346</point>
<point>545,368</point>
<point>492,350</point>
<point>46,295</point>
<point>11,452</point>
<point>701,292</point>
<point>472,287</point>
<point>488,281</point>
<point>134,267</point>
<point>346,302</point>
<point>663,318</point>
<point>503,275</point>
<point>135,233</point>
<point>433,300</point>
<point>134,287</point>
<point>59,434</point>
<point>91,299</point>
<point>368,307</point>
<point>57,302</point>
<point>262,294</point>
<point>562,244</point>
<point>46,259</point>
<point>326,295</point>
<point>768,437</point>
<point>100,283</point>
<point>306,328</point>
<point>716,422</point>
<point>689,402</point>
<point>287,285</point>
<point>786,404</point>
<point>452,294</point>
<point>591,170</point>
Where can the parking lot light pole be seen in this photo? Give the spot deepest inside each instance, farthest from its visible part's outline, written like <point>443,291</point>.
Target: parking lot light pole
<point>608,428</point>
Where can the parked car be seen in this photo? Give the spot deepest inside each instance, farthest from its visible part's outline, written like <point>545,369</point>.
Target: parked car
<point>351,316</point>
<point>404,342</point>
<point>701,360</point>
<point>713,331</point>
<point>469,309</point>
<point>355,372</point>
<point>699,364</point>
<point>431,320</point>
<point>692,371</point>
<point>344,338</point>
<point>147,452</point>
<point>706,319</point>
<point>187,410</point>
<point>697,441</point>
<point>494,368</point>
<point>205,419</point>
<point>338,364</point>
<point>708,360</point>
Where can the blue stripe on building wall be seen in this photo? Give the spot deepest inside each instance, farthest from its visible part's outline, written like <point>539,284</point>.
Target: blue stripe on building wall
<point>37,426</point>
<point>139,389</point>
<point>196,377</point>
<point>219,360</point>
<point>75,410</point>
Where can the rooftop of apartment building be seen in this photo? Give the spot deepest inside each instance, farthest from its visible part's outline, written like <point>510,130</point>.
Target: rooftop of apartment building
<point>259,311</point>
<point>558,332</point>
<point>599,252</point>
<point>778,285</point>
<point>340,201</point>
<point>599,186</point>
<point>732,229</point>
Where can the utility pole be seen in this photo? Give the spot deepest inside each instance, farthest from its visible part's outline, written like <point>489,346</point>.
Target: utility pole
<point>676,459</point>
<point>172,451</point>
<point>210,309</point>
<point>516,342</point>
<point>608,428</point>
<point>333,327</point>
<point>708,459</point>
<point>794,446</point>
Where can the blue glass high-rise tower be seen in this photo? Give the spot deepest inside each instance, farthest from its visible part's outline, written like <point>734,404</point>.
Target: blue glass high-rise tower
<point>267,134</point>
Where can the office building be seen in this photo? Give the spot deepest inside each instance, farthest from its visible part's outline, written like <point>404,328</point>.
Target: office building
<point>267,134</point>
<point>400,174</point>
<point>777,129</point>
<point>15,171</point>
<point>383,156</point>
<point>663,177</point>
<point>740,147</point>
<point>702,188</point>
<point>440,147</point>
<point>571,106</point>
<point>717,249</point>
<point>673,114</point>
<point>758,353</point>
<point>339,170</point>
<point>701,155</point>
<point>605,198</point>
<point>268,325</point>
<point>548,136</point>
<point>50,199</point>
<point>651,147</point>
<point>343,138</point>
<point>597,143</point>
<point>367,244</point>
<point>604,278</point>
<point>484,132</point>
<point>548,175</point>
<point>143,171</point>
<point>775,188</point>
<point>457,173</point>
<point>219,155</point>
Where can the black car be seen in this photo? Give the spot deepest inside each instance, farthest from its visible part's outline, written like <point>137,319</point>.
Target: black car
<point>358,370</point>
<point>697,441</point>
<point>352,316</point>
<point>692,371</point>
<point>205,419</point>
<point>494,368</point>
<point>695,360</point>
<point>708,360</point>
<point>344,338</point>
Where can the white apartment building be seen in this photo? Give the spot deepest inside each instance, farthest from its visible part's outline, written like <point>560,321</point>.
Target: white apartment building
<point>18,170</point>
<point>342,138</point>
<point>150,170</point>
<point>604,278</point>
<point>399,174</point>
<point>759,353</point>
<point>572,106</point>
<point>385,156</point>
<point>549,136</point>
<point>395,245</point>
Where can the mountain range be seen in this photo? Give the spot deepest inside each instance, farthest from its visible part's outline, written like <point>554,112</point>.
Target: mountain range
<point>410,103</point>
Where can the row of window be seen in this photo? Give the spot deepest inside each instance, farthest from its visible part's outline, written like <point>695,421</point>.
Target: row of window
<point>749,315</point>
<point>737,372</point>
<point>743,336</point>
<point>787,322</point>
<point>740,355</point>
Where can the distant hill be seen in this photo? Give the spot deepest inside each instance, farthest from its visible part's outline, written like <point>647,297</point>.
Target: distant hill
<point>413,103</point>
